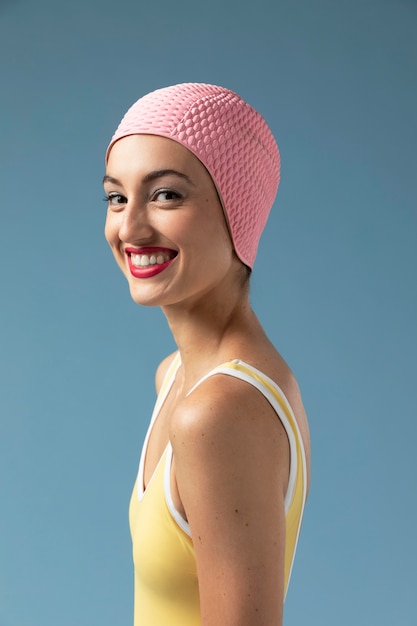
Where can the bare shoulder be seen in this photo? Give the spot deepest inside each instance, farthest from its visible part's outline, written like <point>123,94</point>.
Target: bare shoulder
<point>226,422</point>
<point>225,410</point>
<point>162,369</point>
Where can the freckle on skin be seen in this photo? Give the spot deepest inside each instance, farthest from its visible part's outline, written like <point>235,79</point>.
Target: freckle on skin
<point>236,510</point>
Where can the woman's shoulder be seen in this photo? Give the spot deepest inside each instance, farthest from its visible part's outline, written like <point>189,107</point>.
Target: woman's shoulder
<point>221,407</point>
<point>225,429</point>
<point>227,408</point>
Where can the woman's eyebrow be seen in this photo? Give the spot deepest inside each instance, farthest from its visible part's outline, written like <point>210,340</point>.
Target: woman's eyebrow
<point>167,172</point>
<point>110,179</point>
<point>152,176</point>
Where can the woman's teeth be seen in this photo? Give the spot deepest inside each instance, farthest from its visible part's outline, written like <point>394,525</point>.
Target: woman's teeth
<point>144,260</point>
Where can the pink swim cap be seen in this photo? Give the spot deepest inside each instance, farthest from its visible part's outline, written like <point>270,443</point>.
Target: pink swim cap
<point>230,138</point>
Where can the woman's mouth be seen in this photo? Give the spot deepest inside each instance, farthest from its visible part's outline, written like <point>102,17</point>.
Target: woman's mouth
<point>147,262</point>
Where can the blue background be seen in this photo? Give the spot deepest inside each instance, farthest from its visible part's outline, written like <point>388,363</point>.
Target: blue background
<point>334,285</point>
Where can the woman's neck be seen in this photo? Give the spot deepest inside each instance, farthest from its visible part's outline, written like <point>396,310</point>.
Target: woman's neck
<point>209,330</point>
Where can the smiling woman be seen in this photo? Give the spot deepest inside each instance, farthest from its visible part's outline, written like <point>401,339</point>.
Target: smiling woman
<point>216,510</point>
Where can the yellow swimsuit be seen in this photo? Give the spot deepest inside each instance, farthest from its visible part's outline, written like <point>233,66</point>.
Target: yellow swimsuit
<point>166,586</point>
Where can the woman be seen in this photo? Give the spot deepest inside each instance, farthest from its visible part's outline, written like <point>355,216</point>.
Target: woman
<point>192,172</point>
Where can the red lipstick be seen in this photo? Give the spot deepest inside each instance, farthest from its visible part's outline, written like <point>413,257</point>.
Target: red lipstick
<point>148,271</point>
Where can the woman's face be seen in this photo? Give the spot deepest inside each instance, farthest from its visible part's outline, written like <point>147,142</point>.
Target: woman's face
<point>165,224</point>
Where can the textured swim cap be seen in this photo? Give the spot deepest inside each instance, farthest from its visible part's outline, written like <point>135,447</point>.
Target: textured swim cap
<point>230,138</point>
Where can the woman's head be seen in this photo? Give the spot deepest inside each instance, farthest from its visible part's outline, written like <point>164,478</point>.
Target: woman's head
<point>230,138</point>
<point>165,224</point>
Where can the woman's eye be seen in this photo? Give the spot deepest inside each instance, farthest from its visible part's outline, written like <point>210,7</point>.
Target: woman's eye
<point>114,199</point>
<point>165,195</point>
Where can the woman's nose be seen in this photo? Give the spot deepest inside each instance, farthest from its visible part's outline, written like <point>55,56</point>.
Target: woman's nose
<point>134,227</point>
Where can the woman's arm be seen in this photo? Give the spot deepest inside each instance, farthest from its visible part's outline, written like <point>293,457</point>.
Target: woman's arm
<point>231,462</point>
